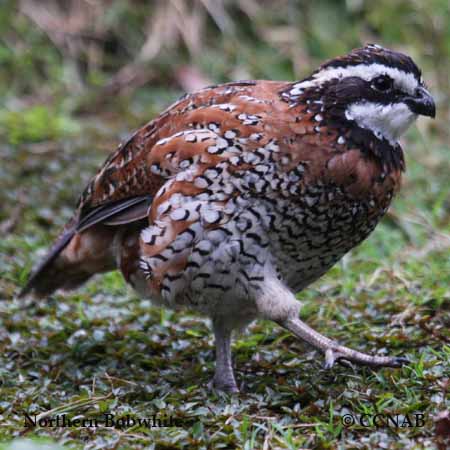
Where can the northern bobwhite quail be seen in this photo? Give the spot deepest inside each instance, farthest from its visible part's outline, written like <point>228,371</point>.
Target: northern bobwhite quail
<point>241,194</point>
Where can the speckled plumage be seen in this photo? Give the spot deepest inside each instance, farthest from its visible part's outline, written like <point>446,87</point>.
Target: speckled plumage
<point>233,167</point>
<point>233,190</point>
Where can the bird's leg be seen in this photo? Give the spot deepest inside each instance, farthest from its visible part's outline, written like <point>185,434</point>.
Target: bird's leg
<point>224,376</point>
<point>280,305</point>
<point>333,351</point>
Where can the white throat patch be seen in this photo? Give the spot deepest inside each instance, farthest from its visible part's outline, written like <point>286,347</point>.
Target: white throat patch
<point>385,121</point>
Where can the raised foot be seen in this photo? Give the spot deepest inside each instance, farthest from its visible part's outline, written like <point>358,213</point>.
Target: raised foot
<point>332,356</point>
<point>335,352</point>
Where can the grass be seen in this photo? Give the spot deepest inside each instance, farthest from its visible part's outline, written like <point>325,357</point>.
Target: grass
<point>102,350</point>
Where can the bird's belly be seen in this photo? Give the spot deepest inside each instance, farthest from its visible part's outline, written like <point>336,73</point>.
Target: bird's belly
<point>220,295</point>
<point>225,265</point>
<point>306,240</point>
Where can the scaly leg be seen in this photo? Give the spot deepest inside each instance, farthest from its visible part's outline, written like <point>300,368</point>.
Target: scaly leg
<point>224,376</point>
<point>280,305</point>
<point>333,351</point>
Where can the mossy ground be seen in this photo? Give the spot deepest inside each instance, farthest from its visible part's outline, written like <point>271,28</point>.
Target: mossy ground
<point>101,349</point>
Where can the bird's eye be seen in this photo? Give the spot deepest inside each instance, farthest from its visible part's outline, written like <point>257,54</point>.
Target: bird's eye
<point>382,83</point>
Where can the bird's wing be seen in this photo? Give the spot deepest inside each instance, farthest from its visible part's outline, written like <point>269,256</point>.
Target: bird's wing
<point>124,188</point>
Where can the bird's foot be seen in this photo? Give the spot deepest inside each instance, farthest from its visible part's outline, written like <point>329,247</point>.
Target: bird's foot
<point>332,355</point>
<point>335,352</point>
<point>224,383</point>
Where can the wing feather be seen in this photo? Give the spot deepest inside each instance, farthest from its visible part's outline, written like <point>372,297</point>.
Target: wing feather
<point>116,213</point>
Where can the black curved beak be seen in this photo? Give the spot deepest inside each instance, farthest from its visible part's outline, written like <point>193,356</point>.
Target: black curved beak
<point>422,103</point>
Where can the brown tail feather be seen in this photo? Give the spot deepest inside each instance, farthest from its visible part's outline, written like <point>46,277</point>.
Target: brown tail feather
<point>85,247</point>
<point>37,281</point>
<point>72,260</point>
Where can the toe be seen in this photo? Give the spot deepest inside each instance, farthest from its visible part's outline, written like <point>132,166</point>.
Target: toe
<point>346,363</point>
<point>399,361</point>
<point>330,358</point>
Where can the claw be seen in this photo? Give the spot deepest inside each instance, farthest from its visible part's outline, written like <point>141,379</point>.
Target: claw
<point>331,357</point>
<point>399,361</point>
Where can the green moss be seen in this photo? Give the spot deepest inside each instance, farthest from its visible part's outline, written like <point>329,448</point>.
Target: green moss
<point>35,124</point>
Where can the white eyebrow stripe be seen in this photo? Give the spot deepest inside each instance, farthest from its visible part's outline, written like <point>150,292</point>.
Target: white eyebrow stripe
<point>408,81</point>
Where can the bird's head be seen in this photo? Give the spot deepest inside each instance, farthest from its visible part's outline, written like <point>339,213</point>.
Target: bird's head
<point>373,88</point>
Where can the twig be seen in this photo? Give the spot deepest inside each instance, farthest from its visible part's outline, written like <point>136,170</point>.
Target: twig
<point>73,405</point>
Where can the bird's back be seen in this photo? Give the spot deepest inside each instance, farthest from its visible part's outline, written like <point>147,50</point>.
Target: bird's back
<point>200,198</point>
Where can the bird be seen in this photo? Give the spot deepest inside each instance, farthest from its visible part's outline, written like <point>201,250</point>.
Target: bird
<point>240,195</point>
